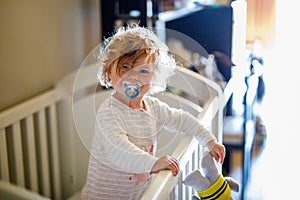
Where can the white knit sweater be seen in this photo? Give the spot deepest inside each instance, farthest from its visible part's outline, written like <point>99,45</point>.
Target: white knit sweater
<point>124,145</point>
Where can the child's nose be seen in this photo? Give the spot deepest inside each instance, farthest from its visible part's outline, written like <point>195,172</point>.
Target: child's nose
<point>133,74</point>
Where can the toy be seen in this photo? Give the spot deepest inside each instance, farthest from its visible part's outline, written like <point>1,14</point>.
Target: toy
<point>209,182</point>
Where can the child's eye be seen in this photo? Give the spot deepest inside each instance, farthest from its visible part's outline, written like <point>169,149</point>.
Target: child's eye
<point>124,67</point>
<point>144,71</point>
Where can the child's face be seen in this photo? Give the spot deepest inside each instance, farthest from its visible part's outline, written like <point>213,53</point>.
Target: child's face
<point>140,71</point>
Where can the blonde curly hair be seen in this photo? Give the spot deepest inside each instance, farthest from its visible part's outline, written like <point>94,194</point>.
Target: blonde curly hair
<point>129,43</point>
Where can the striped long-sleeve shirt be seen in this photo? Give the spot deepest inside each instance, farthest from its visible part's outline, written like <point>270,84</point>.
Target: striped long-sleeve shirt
<point>124,145</point>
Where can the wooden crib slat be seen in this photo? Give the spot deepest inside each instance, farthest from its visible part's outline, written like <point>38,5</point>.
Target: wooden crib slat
<point>18,153</point>
<point>55,152</point>
<point>44,158</point>
<point>190,169</point>
<point>22,110</point>
<point>3,156</point>
<point>32,159</point>
<point>196,158</point>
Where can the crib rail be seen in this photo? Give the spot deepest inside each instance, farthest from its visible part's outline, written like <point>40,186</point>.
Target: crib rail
<point>29,152</point>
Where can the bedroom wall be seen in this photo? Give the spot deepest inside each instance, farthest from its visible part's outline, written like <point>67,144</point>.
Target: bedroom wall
<point>261,18</point>
<point>41,41</point>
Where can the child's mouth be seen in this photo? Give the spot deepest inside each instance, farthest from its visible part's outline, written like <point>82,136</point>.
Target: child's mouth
<point>131,90</point>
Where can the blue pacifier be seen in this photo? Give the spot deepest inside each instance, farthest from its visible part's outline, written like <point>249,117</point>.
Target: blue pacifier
<point>131,89</point>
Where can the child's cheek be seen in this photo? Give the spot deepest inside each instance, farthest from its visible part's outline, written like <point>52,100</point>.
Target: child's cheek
<point>116,82</point>
<point>146,88</point>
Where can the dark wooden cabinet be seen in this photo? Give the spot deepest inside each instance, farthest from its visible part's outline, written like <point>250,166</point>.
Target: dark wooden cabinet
<point>112,10</point>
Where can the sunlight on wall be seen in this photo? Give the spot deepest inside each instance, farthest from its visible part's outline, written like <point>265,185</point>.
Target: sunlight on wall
<point>281,107</point>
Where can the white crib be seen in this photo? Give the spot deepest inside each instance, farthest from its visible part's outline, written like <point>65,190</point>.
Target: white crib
<point>41,150</point>
<point>29,152</point>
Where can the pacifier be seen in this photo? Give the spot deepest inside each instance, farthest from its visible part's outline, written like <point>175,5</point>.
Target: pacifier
<point>131,90</point>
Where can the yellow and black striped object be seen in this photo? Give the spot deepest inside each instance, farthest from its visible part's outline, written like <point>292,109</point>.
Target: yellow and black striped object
<point>219,190</point>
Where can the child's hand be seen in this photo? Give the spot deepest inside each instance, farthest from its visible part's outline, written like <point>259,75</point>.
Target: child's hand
<point>166,163</point>
<point>217,151</point>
